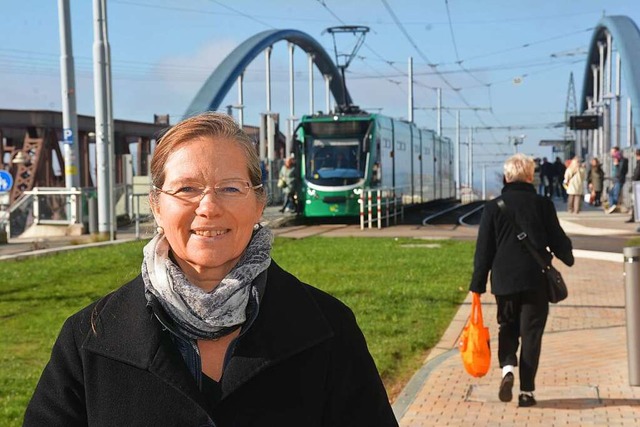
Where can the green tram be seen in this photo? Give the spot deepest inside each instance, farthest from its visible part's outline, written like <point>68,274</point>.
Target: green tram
<point>342,154</point>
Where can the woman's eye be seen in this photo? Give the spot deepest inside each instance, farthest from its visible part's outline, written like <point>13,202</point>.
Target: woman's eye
<point>186,190</point>
<point>230,189</point>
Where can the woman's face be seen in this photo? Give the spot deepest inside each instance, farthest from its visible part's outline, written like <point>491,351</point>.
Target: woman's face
<point>207,237</point>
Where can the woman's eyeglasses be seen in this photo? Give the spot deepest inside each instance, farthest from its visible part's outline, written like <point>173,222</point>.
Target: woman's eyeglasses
<point>231,189</point>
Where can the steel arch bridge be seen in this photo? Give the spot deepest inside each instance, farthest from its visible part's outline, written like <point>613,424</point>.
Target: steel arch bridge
<point>213,92</point>
<point>598,77</point>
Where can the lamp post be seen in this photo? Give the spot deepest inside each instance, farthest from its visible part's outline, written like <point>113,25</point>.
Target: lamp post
<point>517,140</point>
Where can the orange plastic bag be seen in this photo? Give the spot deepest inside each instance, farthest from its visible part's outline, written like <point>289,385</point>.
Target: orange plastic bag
<point>474,342</point>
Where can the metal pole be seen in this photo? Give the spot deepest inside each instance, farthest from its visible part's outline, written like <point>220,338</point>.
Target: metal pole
<point>327,101</point>
<point>410,82</point>
<point>601,72</point>
<point>292,108</point>
<point>484,182</point>
<point>311,106</point>
<point>618,92</point>
<point>456,156</point>
<point>267,56</point>
<point>240,84</point>
<point>111,142</point>
<point>471,159</point>
<point>439,123</point>
<point>262,143</point>
<point>69,113</point>
<point>609,65</point>
<point>629,123</point>
<point>632,309</point>
<point>595,134</point>
<point>101,118</point>
<point>271,147</point>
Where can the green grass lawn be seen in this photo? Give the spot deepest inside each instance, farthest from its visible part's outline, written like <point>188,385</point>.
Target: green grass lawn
<point>403,293</point>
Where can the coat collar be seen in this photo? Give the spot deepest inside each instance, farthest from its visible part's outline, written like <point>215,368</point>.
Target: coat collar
<point>518,186</point>
<point>289,322</point>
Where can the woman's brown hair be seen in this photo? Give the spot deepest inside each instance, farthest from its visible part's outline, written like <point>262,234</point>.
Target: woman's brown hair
<point>205,126</point>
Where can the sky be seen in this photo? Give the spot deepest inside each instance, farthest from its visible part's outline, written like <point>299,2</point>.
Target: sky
<point>504,65</point>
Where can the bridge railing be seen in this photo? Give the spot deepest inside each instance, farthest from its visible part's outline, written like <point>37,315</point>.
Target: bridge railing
<point>50,206</point>
<point>378,204</point>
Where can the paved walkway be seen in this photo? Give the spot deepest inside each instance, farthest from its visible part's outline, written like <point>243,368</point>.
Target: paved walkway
<point>583,375</point>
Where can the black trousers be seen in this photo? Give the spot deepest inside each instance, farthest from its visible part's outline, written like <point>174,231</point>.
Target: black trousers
<point>522,318</point>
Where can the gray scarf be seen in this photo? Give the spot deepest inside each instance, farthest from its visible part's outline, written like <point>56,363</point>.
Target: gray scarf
<point>196,313</point>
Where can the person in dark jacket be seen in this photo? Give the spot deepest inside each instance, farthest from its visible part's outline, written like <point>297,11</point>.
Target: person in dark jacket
<point>517,281</point>
<point>559,170</point>
<point>635,177</point>
<point>619,175</point>
<point>212,332</point>
<point>547,175</point>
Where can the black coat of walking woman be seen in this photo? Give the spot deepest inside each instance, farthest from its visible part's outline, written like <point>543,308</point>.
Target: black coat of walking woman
<point>517,281</point>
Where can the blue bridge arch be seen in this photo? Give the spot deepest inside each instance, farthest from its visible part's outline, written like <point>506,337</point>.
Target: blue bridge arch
<point>214,90</point>
<point>626,36</point>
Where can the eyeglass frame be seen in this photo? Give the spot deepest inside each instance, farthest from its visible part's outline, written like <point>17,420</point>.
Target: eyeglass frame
<point>210,190</point>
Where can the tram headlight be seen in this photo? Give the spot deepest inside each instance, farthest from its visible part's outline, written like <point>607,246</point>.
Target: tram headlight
<point>312,193</point>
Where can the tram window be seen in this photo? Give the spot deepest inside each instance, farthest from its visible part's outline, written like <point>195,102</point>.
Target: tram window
<point>335,159</point>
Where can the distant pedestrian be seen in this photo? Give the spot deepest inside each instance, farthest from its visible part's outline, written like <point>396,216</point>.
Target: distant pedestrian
<point>595,181</point>
<point>573,183</point>
<point>547,173</point>
<point>288,181</point>
<point>635,177</point>
<point>517,282</point>
<point>559,170</point>
<point>619,176</point>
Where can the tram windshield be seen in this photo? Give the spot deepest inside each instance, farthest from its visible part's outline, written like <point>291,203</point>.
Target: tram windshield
<point>334,161</point>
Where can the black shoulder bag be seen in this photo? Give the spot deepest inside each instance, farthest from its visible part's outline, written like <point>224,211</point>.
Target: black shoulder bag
<point>556,288</point>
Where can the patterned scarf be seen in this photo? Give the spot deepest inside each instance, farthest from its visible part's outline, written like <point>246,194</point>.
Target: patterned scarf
<point>196,313</point>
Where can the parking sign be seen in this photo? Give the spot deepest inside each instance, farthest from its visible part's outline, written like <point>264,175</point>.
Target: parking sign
<point>6,181</point>
<point>67,136</point>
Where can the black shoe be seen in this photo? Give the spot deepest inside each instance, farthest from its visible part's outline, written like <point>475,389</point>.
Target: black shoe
<point>630,220</point>
<point>506,385</point>
<point>526,400</point>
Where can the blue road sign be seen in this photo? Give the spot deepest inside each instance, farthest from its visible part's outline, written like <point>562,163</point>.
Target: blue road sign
<point>6,181</point>
<point>67,136</point>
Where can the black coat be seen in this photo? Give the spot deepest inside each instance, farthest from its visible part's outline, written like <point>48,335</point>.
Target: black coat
<point>303,362</point>
<point>498,249</point>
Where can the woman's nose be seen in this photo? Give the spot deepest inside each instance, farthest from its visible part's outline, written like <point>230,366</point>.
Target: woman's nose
<point>209,204</point>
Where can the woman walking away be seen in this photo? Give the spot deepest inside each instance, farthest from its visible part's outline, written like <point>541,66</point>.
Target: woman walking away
<point>518,284</point>
<point>573,182</point>
<point>595,181</point>
<point>212,332</point>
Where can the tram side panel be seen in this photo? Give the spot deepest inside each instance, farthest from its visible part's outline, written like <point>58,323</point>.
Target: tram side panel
<point>416,167</point>
<point>384,140</point>
<point>402,160</point>
<point>428,165</point>
<point>445,161</point>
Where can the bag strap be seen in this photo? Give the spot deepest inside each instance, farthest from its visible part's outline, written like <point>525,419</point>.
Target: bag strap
<point>476,310</point>
<point>522,236</point>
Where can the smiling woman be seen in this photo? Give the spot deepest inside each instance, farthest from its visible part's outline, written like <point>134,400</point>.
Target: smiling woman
<point>212,332</point>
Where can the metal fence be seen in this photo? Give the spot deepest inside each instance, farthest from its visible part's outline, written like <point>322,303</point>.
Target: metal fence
<point>379,204</point>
